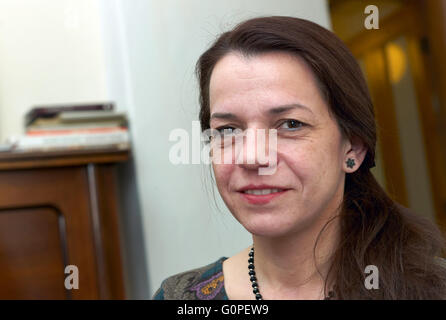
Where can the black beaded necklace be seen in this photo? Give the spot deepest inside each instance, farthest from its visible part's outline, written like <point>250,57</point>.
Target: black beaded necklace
<point>253,278</point>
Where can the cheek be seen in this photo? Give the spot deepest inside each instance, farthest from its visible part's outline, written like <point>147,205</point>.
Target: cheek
<point>311,159</point>
<point>300,156</point>
<point>222,173</point>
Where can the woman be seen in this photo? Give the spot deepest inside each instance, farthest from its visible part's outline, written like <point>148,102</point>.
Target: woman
<point>320,221</point>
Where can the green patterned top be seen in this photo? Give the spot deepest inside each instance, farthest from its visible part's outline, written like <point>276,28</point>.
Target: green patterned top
<point>205,283</point>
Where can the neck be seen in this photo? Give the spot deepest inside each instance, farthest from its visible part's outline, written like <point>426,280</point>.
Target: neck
<point>291,267</point>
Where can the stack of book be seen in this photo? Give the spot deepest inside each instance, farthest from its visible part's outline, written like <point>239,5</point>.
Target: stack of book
<point>74,127</point>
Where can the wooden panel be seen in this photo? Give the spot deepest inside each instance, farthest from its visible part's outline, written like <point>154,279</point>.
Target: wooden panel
<point>105,216</point>
<point>416,20</point>
<point>67,190</point>
<point>32,254</point>
<point>434,13</point>
<point>390,28</point>
<point>27,160</point>
<point>432,127</point>
<point>381,92</point>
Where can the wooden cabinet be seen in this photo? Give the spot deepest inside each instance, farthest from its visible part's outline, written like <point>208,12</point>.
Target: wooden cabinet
<point>59,209</point>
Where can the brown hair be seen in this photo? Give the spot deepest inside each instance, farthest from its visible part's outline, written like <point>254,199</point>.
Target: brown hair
<point>374,229</point>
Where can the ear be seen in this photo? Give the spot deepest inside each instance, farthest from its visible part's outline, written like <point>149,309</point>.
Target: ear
<point>354,155</point>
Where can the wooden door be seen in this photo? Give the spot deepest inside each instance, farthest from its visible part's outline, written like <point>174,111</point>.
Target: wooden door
<point>45,225</point>
<point>396,62</point>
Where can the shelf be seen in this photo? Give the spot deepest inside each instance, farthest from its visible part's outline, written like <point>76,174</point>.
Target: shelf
<point>61,158</point>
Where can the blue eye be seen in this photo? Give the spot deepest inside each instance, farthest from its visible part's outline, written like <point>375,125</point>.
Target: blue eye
<point>291,125</point>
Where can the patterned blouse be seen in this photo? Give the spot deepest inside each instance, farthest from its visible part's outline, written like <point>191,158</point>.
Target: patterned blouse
<point>205,283</point>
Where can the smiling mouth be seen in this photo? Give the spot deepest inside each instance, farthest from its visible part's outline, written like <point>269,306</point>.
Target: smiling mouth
<point>259,192</point>
<point>261,196</point>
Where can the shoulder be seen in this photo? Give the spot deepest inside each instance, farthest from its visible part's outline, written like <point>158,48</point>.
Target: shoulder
<point>204,283</point>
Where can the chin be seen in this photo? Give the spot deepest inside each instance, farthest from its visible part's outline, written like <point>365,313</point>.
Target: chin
<point>274,225</point>
<point>268,229</point>
<point>268,232</point>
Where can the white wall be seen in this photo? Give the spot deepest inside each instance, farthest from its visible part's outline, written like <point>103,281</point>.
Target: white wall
<point>50,52</point>
<point>152,48</point>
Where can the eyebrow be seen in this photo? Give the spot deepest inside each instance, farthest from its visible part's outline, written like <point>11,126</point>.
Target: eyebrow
<point>273,111</point>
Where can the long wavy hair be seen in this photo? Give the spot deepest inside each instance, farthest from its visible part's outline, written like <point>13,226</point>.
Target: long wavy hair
<point>375,230</point>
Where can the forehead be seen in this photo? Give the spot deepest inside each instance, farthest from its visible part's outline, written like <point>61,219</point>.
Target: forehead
<point>249,84</point>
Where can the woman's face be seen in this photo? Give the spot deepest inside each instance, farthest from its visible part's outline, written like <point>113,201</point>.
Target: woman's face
<point>278,91</point>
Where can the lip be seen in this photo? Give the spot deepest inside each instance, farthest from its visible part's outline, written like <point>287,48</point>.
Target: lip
<point>261,199</point>
<point>259,186</point>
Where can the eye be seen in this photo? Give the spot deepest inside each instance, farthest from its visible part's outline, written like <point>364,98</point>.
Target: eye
<point>226,130</point>
<point>291,125</point>
<point>225,134</point>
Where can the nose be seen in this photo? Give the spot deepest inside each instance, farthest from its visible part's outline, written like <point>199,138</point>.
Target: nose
<point>253,149</point>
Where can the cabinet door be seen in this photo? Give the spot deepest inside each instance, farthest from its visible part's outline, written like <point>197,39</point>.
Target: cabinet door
<point>45,225</point>
<point>32,254</point>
